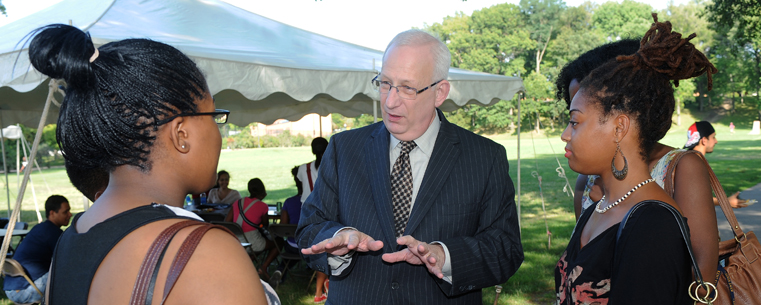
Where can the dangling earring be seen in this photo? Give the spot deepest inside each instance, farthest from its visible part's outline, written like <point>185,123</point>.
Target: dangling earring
<point>619,174</point>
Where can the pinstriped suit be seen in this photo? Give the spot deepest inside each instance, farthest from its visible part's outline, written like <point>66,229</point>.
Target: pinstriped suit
<point>466,201</point>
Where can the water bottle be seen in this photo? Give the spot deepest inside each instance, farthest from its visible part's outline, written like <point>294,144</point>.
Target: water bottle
<point>203,198</point>
<point>188,201</point>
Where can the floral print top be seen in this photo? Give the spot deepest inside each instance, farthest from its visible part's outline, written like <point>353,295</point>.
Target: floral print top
<point>648,264</point>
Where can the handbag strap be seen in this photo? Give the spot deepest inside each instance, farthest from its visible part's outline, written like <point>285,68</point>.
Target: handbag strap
<point>718,191</point>
<point>683,229</point>
<point>146,277</point>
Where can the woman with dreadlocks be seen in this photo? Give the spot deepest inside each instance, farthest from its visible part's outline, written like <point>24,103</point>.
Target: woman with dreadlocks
<point>691,182</point>
<point>141,111</point>
<point>619,112</point>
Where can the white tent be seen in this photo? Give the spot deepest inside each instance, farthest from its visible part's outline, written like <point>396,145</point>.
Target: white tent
<point>258,68</point>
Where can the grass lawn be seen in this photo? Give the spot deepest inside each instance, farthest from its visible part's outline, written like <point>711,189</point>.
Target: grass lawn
<point>734,160</point>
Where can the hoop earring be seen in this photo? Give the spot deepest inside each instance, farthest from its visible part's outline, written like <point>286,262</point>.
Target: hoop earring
<point>619,174</point>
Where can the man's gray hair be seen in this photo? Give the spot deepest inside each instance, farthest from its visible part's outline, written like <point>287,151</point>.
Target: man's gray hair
<point>439,51</point>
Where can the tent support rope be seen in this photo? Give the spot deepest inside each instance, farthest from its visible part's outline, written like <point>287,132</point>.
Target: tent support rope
<point>52,87</point>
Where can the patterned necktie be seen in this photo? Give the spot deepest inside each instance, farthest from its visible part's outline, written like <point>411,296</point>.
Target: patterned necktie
<point>401,187</point>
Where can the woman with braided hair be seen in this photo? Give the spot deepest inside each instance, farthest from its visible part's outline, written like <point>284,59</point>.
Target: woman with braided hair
<point>141,111</point>
<point>619,113</point>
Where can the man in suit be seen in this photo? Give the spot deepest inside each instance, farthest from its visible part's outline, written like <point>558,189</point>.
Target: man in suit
<point>413,209</point>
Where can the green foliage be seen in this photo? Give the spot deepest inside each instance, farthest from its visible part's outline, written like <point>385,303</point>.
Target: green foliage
<point>492,40</point>
<point>364,120</point>
<point>627,19</point>
<point>745,15</point>
<point>2,8</point>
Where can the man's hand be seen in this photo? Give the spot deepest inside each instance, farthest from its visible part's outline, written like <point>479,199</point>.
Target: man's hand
<point>737,202</point>
<point>419,253</point>
<point>343,242</point>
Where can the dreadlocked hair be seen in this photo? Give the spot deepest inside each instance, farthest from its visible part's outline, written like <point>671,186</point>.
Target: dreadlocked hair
<point>583,65</point>
<point>640,84</point>
<point>115,99</point>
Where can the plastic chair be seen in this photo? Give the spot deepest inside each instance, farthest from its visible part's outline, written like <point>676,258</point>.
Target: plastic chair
<point>14,268</point>
<point>283,232</point>
<point>238,231</point>
<point>19,226</point>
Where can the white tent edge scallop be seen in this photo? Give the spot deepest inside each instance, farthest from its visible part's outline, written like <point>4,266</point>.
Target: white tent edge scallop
<point>258,68</point>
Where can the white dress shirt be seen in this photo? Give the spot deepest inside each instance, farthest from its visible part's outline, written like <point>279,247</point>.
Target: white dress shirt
<point>419,157</point>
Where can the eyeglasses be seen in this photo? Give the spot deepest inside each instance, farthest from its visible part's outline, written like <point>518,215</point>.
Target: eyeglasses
<point>219,115</point>
<point>405,92</point>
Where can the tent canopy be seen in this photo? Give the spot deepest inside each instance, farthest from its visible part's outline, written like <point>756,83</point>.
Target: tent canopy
<point>258,68</point>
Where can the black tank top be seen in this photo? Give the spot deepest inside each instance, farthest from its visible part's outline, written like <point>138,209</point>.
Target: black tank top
<point>77,256</point>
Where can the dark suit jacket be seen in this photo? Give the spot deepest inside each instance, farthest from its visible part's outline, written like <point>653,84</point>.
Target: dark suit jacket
<point>466,201</point>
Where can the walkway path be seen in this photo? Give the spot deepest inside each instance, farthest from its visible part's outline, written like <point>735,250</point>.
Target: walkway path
<point>748,217</point>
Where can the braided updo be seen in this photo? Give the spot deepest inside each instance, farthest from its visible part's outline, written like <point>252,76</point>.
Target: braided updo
<point>115,97</point>
<point>639,84</point>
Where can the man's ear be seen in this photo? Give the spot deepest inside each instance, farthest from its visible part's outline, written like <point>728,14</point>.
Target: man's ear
<point>178,134</point>
<point>703,141</point>
<point>442,91</point>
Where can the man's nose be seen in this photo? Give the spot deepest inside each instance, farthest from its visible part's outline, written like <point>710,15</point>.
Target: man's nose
<point>393,98</point>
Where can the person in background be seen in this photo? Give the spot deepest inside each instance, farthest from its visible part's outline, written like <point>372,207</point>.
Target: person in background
<point>701,137</point>
<point>35,252</point>
<point>414,209</point>
<point>731,127</point>
<point>251,219</point>
<point>691,182</point>
<point>222,193</point>
<point>141,111</point>
<point>308,171</point>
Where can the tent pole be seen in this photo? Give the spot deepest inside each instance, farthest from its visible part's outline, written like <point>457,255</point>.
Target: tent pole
<point>24,147</point>
<point>27,171</point>
<point>375,111</point>
<point>518,202</point>
<point>5,167</point>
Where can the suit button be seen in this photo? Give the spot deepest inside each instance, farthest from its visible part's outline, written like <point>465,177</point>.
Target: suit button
<point>394,285</point>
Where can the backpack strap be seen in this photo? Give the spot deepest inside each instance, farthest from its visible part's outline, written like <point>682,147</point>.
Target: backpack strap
<point>309,176</point>
<point>243,213</point>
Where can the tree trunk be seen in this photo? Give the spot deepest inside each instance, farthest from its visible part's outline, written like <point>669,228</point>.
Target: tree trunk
<point>537,122</point>
<point>540,53</point>
<point>700,102</point>
<point>678,112</point>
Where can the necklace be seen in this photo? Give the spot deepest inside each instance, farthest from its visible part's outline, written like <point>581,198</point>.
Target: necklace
<point>599,210</point>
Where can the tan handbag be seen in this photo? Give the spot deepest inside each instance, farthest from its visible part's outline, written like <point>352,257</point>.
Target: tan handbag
<point>740,281</point>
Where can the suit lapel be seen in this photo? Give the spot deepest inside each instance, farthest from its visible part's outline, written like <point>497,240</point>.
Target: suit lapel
<point>445,152</point>
<point>376,154</point>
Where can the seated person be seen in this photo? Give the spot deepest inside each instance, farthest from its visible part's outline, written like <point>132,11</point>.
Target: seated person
<point>254,216</point>
<point>36,252</point>
<point>222,193</point>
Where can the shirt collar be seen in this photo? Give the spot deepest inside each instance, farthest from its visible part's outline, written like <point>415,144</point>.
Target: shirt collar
<point>425,142</point>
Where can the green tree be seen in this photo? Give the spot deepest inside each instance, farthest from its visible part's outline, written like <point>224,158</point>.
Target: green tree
<point>492,40</point>
<point>627,19</point>
<point>740,20</point>
<point>745,15</point>
<point>682,94</point>
<point>542,18</point>
<point>575,36</point>
<point>2,8</point>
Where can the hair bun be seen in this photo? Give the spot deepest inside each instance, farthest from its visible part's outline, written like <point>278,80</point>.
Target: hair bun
<point>63,52</point>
